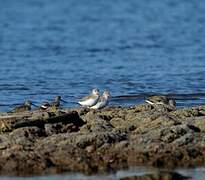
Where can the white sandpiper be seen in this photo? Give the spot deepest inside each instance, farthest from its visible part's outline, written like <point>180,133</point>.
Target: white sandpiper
<point>90,100</point>
<point>103,101</point>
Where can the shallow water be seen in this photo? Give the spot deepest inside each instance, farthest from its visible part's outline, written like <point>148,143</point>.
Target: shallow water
<point>148,173</point>
<point>133,48</point>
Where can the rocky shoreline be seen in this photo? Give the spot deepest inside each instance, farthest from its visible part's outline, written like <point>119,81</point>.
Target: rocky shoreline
<point>96,141</point>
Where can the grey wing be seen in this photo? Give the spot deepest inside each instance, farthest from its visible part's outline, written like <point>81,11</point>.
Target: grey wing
<point>85,98</point>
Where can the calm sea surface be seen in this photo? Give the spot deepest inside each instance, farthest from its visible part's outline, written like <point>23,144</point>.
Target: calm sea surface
<point>133,48</point>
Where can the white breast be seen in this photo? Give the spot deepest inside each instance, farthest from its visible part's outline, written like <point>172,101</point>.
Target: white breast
<point>89,102</point>
<point>100,105</point>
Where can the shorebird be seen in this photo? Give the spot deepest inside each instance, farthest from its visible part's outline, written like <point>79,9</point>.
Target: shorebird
<point>26,106</point>
<point>55,103</point>
<point>90,100</point>
<point>160,100</point>
<point>103,101</point>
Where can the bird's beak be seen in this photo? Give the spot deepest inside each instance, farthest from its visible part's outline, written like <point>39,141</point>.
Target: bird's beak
<point>34,105</point>
<point>63,101</point>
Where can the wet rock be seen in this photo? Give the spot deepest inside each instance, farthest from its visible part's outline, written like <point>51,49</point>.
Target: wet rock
<point>198,122</point>
<point>57,128</point>
<point>161,175</point>
<point>184,140</point>
<point>63,140</point>
<point>97,125</point>
<point>98,139</point>
<point>4,141</point>
<point>170,134</point>
<point>193,152</point>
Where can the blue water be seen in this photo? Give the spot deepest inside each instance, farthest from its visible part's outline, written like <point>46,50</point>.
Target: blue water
<point>133,48</point>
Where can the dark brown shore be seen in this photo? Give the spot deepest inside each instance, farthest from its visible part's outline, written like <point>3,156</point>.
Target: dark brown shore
<point>88,141</point>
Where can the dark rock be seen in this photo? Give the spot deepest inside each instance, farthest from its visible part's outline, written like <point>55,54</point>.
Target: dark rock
<point>193,152</point>
<point>161,175</point>
<point>64,140</point>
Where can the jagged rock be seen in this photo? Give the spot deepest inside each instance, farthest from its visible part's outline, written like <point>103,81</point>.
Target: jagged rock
<point>62,140</point>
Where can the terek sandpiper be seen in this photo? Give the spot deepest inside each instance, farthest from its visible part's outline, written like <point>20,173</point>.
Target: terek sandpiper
<point>160,100</point>
<point>103,101</point>
<point>26,106</point>
<point>55,103</point>
<point>90,100</point>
